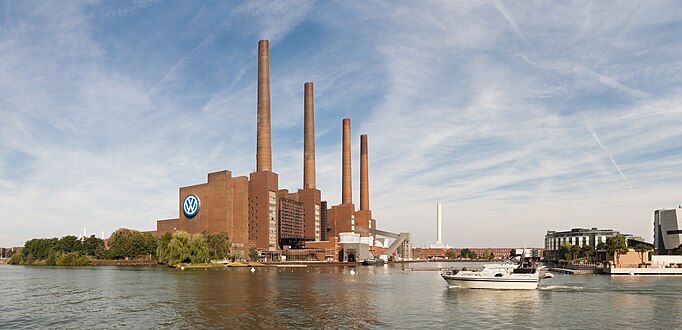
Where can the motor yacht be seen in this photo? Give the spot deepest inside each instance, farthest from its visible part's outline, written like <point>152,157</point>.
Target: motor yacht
<point>511,274</point>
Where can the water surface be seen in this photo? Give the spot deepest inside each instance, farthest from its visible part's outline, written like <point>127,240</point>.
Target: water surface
<point>322,297</point>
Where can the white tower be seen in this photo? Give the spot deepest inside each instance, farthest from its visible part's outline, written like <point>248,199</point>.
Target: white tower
<point>85,233</point>
<point>439,224</point>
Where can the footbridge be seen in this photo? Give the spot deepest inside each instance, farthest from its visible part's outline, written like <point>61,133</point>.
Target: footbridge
<point>401,241</point>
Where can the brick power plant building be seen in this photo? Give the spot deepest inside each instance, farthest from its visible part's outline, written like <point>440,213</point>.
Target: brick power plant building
<point>253,211</point>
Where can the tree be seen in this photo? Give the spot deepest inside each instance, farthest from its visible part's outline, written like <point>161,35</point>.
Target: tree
<point>451,254</point>
<point>3,252</point>
<point>92,246</point>
<point>68,244</point>
<point>643,250</point>
<point>253,253</point>
<point>565,251</point>
<point>39,248</point>
<point>198,249</point>
<point>178,248</point>
<point>587,252</point>
<point>16,259</point>
<point>150,245</point>
<point>617,245</point>
<point>126,244</point>
<point>218,245</point>
<point>487,255</point>
<point>467,254</point>
<point>162,248</point>
<point>574,252</point>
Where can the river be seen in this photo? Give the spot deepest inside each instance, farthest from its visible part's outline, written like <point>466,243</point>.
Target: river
<point>322,297</point>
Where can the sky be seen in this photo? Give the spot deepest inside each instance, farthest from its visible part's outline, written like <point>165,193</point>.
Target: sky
<point>519,117</point>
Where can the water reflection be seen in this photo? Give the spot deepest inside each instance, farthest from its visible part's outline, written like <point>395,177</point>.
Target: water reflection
<point>275,298</point>
<point>375,297</point>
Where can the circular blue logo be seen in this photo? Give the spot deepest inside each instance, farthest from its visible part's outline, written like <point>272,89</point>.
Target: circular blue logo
<point>191,205</point>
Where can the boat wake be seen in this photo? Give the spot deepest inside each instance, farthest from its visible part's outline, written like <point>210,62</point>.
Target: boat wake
<point>563,287</point>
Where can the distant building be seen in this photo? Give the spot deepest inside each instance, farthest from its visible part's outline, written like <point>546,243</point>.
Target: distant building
<point>580,237</point>
<point>429,253</point>
<point>667,230</point>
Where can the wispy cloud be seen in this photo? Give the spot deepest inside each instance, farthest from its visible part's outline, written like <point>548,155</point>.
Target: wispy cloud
<point>275,19</point>
<point>481,106</point>
<point>503,10</point>
<point>613,161</point>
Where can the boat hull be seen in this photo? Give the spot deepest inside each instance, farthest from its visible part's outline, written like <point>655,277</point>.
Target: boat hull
<point>492,283</point>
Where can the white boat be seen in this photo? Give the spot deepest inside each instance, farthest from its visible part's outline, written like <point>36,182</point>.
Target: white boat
<point>512,274</point>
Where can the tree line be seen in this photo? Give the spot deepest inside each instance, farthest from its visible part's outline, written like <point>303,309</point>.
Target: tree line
<point>468,254</point>
<point>170,249</point>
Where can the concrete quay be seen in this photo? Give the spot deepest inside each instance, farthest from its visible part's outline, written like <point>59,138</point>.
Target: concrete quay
<point>642,271</point>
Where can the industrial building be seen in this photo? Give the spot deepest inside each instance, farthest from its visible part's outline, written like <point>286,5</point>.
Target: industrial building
<point>254,211</point>
<point>667,230</point>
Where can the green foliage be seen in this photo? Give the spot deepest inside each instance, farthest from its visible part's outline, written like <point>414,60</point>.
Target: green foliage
<point>487,255</point>
<point>587,252</point>
<point>126,243</point>
<point>68,244</point>
<point>198,249</point>
<point>52,258</point>
<point>218,245</point>
<point>73,259</point>
<point>16,259</point>
<point>618,245</point>
<point>39,248</point>
<point>150,245</point>
<point>569,252</point>
<point>467,254</point>
<point>451,254</point>
<point>602,246</point>
<point>182,247</point>
<point>93,246</point>
<point>162,249</point>
<point>178,248</point>
<point>59,258</point>
<point>253,253</point>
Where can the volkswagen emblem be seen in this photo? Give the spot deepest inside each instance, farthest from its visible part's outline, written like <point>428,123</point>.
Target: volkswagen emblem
<point>191,205</point>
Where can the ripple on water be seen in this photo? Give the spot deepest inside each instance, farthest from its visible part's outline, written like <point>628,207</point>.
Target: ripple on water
<point>382,297</point>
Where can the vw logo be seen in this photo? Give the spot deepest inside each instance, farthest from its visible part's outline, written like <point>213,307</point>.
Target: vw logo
<point>191,205</point>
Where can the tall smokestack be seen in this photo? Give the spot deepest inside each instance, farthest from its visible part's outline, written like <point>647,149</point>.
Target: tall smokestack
<point>439,223</point>
<point>263,146</point>
<point>347,191</point>
<point>308,136</point>
<point>364,174</point>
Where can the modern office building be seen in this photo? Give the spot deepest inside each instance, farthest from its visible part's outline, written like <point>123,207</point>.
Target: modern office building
<point>580,237</point>
<point>667,230</point>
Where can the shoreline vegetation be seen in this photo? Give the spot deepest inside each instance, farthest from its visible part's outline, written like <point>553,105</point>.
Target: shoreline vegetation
<point>126,247</point>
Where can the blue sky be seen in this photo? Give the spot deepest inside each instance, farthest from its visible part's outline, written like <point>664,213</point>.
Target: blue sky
<point>520,117</point>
